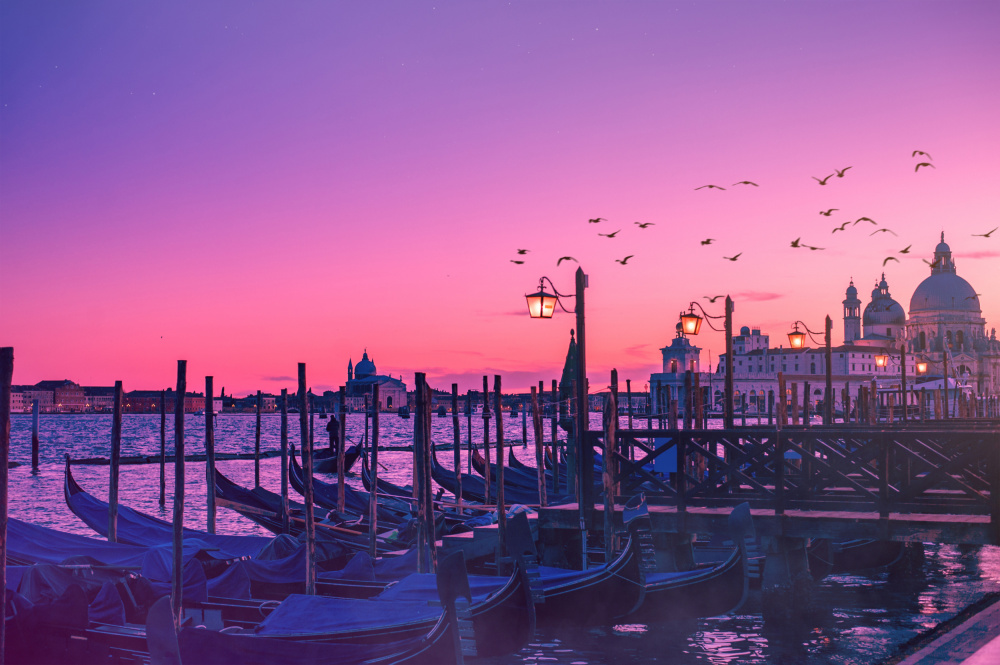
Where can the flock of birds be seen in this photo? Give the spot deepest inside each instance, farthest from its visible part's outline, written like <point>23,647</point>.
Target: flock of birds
<point>795,244</point>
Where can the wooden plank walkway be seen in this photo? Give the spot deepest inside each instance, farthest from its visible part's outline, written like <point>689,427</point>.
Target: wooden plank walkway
<point>834,524</point>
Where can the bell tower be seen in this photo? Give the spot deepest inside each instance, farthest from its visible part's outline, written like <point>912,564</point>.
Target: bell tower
<point>852,315</point>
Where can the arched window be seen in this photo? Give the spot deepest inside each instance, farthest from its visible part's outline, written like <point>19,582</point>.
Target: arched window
<point>812,368</point>
<point>959,338</point>
<point>673,366</point>
<point>948,338</point>
<point>923,341</point>
<point>388,401</point>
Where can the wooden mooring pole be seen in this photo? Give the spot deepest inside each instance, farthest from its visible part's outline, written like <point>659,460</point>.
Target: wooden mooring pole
<point>486,437</point>
<point>6,377</point>
<point>284,460</point>
<point>210,452</point>
<point>256,443</point>
<point>457,440</point>
<point>555,436</point>
<point>34,435</point>
<point>468,424</point>
<point>342,449</point>
<point>115,466</point>
<point>307,495</point>
<point>163,447</point>
<point>610,432</point>
<point>501,463</point>
<point>373,495</point>
<point>628,396</point>
<point>176,598</point>
<point>536,422</point>
<point>421,450</point>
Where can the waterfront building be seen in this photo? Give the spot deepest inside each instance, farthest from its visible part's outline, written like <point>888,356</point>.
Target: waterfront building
<point>945,322</point>
<point>99,398</point>
<point>361,378</point>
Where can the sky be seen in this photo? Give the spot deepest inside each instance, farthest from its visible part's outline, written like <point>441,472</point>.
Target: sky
<point>251,185</point>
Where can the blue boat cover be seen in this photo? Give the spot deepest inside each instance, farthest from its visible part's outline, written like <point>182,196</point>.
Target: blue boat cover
<point>311,615</point>
<point>422,587</point>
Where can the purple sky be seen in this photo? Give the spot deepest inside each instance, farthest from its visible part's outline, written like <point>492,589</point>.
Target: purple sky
<point>250,186</point>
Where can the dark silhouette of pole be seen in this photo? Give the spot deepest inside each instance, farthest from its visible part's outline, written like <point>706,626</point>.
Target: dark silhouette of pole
<point>536,422</point>
<point>828,398</point>
<point>115,465</point>
<point>176,594</point>
<point>728,412</point>
<point>341,450</point>
<point>307,495</point>
<point>163,447</point>
<point>585,456</point>
<point>457,438</point>
<point>256,444</point>
<point>34,435</point>
<point>501,459</point>
<point>6,376</point>
<point>373,495</point>
<point>210,451</point>
<point>284,460</point>
<point>486,437</point>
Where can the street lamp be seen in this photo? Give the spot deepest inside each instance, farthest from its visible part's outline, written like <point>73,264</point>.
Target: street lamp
<point>921,366</point>
<point>541,305</point>
<point>691,325</point>
<point>881,360</point>
<point>797,339</point>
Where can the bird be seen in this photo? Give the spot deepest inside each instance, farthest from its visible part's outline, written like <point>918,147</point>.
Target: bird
<point>522,251</point>
<point>883,231</point>
<point>795,243</point>
<point>828,212</point>
<point>917,167</point>
<point>517,262</point>
<point>973,296</point>
<point>823,181</point>
<point>906,251</point>
<point>866,219</point>
<point>889,258</point>
<point>733,258</point>
<point>841,227</point>
<point>841,172</point>
<point>708,241</point>
<point>987,234</point>
<point>921,152</point>
<point>744,182</point>
<point>595,220</point>
<point>932,264</point>
<point>625,260</point>
<point>565,258</point>
<point>813,248</point>
<point>643,225</point>
<point>710,187</point>
<point>712,299</point>
<point>609,235</point>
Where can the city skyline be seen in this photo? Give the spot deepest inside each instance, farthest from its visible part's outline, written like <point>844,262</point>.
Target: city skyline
<point>251,187</point>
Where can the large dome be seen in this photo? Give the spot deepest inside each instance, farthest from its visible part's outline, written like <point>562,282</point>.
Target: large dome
<point>365,367</point>
<point>944,289</point>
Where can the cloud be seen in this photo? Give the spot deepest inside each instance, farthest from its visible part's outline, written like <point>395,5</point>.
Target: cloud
<point>757,296</point>
<point>638,351</point>
<point>278,378</point>
<point>988,254</point>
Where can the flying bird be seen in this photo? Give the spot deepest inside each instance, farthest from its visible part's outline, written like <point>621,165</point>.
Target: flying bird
<point>733,258</point>
<point>565,258</point>
<point>707,241</point>
<point>932,264</point>
<point>866,219</point>
<point>841,227</point>
<point>841,172</point>
<point>972,297</point>
<point>625,260</point>
<point>828,212</point>
<point>795,243</point>
<point>987,234</point>
<point>889,258</point>
<point>517,262</point>
<point>522,251</point>
<point>643,225</point>
<point>813,248</point>
<point>609,235</point>
<point>712,299</point>
<point>710,187</point>
<point>917,167</point>
<point>906,251</point>
<point>823,181</point>
<point>596,220</point>
<point>745,182</point>
<point>921,152</point>
<point>883,231</point>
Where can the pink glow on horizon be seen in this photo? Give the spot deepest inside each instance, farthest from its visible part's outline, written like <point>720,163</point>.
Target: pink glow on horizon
<point>250,187</point>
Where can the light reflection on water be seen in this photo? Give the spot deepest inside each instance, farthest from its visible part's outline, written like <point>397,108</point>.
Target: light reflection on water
<point>853,619</point>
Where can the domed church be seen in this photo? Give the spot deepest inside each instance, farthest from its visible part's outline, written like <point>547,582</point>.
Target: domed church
<point>361,378</point>
<point>946,319</point>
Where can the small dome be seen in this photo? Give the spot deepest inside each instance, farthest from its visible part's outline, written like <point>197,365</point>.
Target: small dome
<point>745,330</point>
<point>883,310</point>
<point>852,291</point>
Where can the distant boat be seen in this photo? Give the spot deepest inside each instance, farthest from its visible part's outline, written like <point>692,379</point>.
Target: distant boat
<point>403,411</point>
<point>441,411</point>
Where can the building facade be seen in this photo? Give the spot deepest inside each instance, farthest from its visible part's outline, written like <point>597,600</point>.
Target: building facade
<point>361,378</point>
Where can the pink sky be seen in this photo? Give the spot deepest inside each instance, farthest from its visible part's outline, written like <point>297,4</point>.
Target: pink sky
<point>248,187</point>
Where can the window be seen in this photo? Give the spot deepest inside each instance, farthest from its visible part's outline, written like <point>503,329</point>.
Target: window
<point>959,337</point>
<point>923,341</point>
<point>888,332</point>
<point>812,368</point>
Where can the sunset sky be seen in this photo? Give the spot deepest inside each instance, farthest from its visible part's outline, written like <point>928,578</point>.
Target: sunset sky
<point>248,186</point>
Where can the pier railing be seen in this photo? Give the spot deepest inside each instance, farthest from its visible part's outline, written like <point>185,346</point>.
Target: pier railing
<point>911,469</point>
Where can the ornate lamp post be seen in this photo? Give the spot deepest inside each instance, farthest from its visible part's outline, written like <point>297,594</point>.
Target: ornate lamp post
<point>691,325</point>
<point>796,339</point>
<point>885,358</point>
<point>541,305</point>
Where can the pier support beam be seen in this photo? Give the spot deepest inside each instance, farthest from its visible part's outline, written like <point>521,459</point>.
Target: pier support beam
<point>786,587</point>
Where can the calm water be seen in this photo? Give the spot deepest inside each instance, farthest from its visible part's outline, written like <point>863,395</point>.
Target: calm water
<point>854,619</point>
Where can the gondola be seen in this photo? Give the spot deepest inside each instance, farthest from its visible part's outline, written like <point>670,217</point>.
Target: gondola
<point>384,486</point>
<point>519,486</point>
<point>325,459</point>
<point>835,558</point>
<point>328,494</point>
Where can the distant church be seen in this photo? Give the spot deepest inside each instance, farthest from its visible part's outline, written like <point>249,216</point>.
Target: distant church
<point>361,378</point>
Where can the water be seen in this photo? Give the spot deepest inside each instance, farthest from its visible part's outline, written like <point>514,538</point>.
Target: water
<point>851,618</point>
